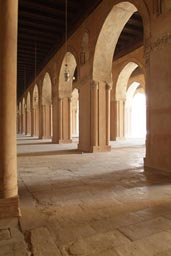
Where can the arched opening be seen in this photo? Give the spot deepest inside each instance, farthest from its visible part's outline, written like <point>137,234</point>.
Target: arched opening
<point>66,87</point>
<point>108,39</point>
<point>28,115</point>
<point>121,89</point>
<point>35,118</point>
<point>135,111</point>
<point>75,113</point>
<point>130,81</point>
<point>138,115</point>
<point>121,33</point>
<point>47,107</point>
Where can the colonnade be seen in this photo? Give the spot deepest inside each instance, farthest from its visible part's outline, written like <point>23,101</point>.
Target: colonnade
<point>98,105</point>
<point>67,110</point>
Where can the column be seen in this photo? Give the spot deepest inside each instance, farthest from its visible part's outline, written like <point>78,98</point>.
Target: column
<point>32,121</point>
<point>113,120</point>
<point>31,116</point>
<point>25,120</point>
<point>120,119</point>
<point>108,89</point>
<point>60,120</point>
<point>8,67</point>
<point>94,121</point>
<point>21,122</point>
<point>100,117</point>
<point>69,118</point>
<point>40,118</point>
<point>28,132</point>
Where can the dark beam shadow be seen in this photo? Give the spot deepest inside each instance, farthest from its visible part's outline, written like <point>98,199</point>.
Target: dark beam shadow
<point>48,153</point>
<point>32,143</point>
<point>101,182</point>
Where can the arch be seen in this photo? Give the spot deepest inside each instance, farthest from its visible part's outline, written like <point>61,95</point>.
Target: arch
<point>108,39</point>
<point>121,85</point>
<point>130,93</point>
<point>114,22</point>
<point>124,96</point>
<point>35,96</point>
<point>23,105</point>
<point>132,90</point>
<point>46,90</point>
<point>46,107</point>
<point>28,101</point>
<point>139,78</point>
<point>35,113</point>
<point>28,114</point>
<point>65,87</point>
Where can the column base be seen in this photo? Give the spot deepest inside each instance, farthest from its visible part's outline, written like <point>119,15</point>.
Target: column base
<point>105,148</point>
<point>61,141</point>
<point>94,149</point>
<point>46,138</point>
<point>148,166</point>
<point>9,207</point>
<point>120,138</point>
<point>65,141</point>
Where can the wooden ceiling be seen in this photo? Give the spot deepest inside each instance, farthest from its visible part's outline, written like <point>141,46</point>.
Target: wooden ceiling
<point>41,31</point>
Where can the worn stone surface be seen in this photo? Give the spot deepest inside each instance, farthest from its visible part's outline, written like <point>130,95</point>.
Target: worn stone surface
<point>144,229</point>
<point>151,245</point>
<point>5,234</point>
<point>98,243</point>
<point>43,243</point>
<point>92,204</point>
<point>15,246</point>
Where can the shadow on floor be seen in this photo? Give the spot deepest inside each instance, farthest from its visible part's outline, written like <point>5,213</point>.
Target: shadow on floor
<point>34,143</point>
<point>124,180</point>
<point>48,153</point>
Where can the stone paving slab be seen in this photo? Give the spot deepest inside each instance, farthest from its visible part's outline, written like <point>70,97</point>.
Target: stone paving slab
<point>98,204</point>
<point>13,244</point>
<point>97,243</point>
<point>43,243</point>
<point>149,246</point>
<point>146,228</point>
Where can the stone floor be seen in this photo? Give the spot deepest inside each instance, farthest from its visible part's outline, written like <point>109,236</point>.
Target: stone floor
<point>81,204</point>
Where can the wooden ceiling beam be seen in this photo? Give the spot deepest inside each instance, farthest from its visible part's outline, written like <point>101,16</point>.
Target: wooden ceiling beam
<point>37,39</point>
<point>38,32</point>
<point>42,8</point>
<point>31,50</point>
<point>39,17</point>
<point>23,42</point>
<point>39,25</point>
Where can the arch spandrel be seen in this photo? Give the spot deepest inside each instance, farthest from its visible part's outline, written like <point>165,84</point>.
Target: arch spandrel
<point>65,87</point>
<point>23,105</point>
<point>35,96</point>
<point>46,90</point>
<point>75,97</point>
<point>108,38</point>
<point>28,101</point>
